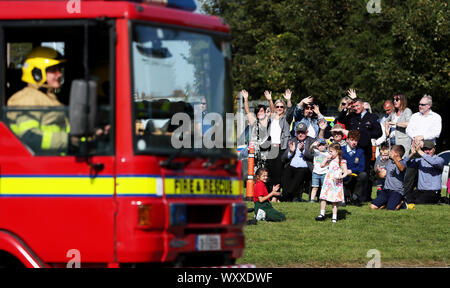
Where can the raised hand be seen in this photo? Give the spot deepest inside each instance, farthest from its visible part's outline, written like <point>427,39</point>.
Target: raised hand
<point>301,145</point>
<point>307,100</point>
<point>244,94</point>
<point>287,95</point>
<point>292,146</point>
<point>419,141</point>
<point>268,95</point>
<point>351,93</point>
<point>316,109</point>
<point>323,124</point>
<point>413,148</point>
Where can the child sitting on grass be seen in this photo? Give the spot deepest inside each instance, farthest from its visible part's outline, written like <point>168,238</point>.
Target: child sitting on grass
<point>333,185</point>
<point>393,190</point>
<point>261,198</point>
<point>319,148</point>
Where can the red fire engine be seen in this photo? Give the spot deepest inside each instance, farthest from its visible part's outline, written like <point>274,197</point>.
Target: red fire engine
<point>118,193</point>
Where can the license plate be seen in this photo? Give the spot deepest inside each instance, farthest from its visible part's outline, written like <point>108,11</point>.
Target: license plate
<point>208,242</point>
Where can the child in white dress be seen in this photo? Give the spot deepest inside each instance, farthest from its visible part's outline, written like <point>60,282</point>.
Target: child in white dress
<point>333,186</point>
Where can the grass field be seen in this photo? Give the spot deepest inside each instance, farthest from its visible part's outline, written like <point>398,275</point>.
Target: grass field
<point>405,238</point>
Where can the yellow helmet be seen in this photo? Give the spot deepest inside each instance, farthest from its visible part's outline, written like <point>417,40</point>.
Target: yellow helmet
<point>39,59</point>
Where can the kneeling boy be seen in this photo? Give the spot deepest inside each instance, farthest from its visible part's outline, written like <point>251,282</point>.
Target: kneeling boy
<point>393,190</point>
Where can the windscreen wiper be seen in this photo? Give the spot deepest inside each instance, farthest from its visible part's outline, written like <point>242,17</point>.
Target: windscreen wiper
<point>169,164</point>
<point>208,164</point>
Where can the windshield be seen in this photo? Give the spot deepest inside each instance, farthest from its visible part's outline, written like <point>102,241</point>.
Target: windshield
<point>181,91</point>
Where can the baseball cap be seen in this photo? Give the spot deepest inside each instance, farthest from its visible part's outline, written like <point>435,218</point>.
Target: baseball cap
<point>301,127</point>
<point>428,144</point>
<point>322,141</point>
<point>337,127</point>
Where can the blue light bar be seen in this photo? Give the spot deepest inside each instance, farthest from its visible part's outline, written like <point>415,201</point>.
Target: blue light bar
<point>187,5</point>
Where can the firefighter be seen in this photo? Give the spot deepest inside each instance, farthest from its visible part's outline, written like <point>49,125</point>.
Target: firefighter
<point>40,130</point>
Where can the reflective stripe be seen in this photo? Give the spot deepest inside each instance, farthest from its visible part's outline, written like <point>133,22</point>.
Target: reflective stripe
<point>25,126</point>
<point>46,139</point>
<point>152,186</point>
<point>14,128</point>
<point>57,186</point>
<point>51,128</point>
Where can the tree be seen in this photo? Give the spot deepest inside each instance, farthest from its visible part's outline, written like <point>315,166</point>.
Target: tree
<point>322,48</point>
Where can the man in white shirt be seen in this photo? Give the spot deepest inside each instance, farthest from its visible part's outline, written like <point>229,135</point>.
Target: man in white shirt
<point>425,124</point>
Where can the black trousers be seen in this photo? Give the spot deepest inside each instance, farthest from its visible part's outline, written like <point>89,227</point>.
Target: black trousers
<point>411,177</point>
<point>424,197</point>
<point>368,166</point>
<point>357,186</point>
<point>275,167</point>
<point>293,179</point>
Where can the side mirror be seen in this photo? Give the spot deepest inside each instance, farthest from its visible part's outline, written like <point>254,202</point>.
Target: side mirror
<point>83,107</point>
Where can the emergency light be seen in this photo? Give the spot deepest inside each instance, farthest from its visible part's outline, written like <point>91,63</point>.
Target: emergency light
<point>188,5</point>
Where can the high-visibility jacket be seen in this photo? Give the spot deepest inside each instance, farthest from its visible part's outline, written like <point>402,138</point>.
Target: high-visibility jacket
<point>43,130</point>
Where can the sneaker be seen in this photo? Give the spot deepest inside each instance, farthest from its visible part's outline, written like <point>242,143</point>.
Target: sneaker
<point>333,220</point>
<point>320,218</point>
<point>260,215</point>
<point>312,201</point>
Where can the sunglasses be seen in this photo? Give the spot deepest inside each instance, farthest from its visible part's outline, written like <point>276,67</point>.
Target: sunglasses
<point>343,104</point>
<point>279,106</point>
<point>421,104</point>
<point>396,99</point>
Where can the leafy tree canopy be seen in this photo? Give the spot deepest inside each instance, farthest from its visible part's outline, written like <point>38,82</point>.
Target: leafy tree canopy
<point>323,48</point>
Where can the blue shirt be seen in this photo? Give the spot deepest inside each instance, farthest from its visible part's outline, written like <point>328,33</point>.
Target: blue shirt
<point>355,162</point>
<point>430,171</point>
<point>298,161</point>
<point>394,177</point>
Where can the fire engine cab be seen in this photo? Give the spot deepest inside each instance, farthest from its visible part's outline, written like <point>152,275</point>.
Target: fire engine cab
<point>107,178</point>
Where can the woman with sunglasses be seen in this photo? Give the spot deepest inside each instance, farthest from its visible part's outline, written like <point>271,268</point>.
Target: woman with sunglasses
<point>345,103</point>
<point>345,106</point>
<point>280,120</point>
<point>398,122</point>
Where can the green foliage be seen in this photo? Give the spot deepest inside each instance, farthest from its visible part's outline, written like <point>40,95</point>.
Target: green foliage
<point>322,48</point>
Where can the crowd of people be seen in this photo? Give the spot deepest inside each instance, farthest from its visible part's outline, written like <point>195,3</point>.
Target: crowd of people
<point>339,162</point>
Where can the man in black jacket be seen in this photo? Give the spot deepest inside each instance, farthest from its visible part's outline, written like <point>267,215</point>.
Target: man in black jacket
<point>298,161</point>
<point>368,127</point>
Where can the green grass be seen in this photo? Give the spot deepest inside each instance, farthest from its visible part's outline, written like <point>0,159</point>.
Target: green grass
<point>405,238</point>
